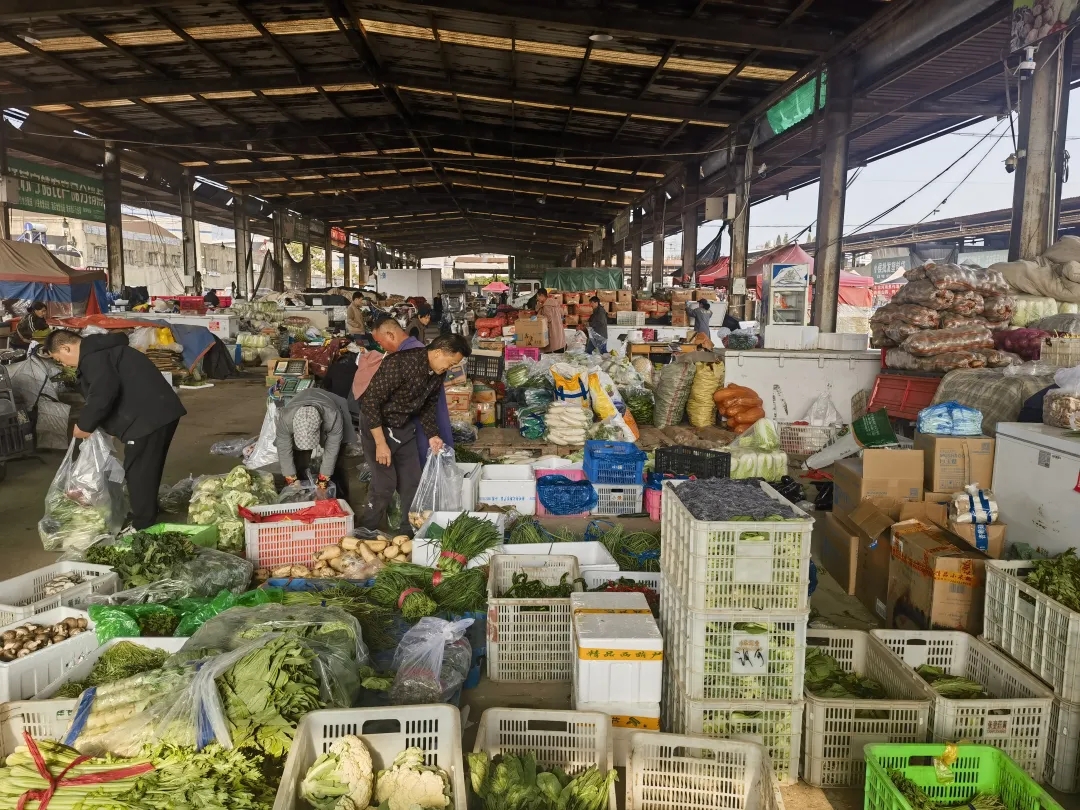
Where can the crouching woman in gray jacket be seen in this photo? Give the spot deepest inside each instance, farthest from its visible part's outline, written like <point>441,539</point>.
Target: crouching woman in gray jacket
<point>311,432</point>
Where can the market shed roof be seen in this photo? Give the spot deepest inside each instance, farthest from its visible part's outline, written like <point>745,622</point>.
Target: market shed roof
<point>447,126</point>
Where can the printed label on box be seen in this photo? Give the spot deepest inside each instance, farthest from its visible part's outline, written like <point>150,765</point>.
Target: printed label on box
<point>749,653</point>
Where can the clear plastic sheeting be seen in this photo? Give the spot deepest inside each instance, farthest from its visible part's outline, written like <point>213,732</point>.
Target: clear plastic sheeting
<point>86,499</point>
<point>950,419</point>
<point>431,662</point>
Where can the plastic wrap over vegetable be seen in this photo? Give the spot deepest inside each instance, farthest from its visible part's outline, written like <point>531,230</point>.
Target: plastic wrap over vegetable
<point>1033,308</point>
<point>175,498</point>
<point>1061,407</point>
<point>1062,323</point>
<point>86,499</point>
<point>215,499</point>
<point>431,661</point>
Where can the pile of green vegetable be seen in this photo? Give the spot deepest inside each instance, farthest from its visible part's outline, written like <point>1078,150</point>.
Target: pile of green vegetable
<point>825,678</point>
<point>70,523</point>
<point>639,402</point>
<point>162,777</point>
<point>1058,577</point>
<point>214,500</point>
<point>122,660</point>
<point>954,687</point>
<point>344,779</point>
<point>633,551</point>
<point>523,587</point>
<point>727,499</point>
<point>146,558</point>
<point>375,620</point>
<point>511,782</point>
<point>919,800</point>
<point>526,529</point>
<point>464,538</point>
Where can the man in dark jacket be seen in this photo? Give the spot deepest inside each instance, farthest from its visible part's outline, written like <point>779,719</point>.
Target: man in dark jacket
<point>127,397</point>
<point>598,323</point>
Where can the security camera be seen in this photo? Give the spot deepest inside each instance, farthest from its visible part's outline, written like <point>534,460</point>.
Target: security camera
<point>1026,68</point>
<point>1010,163</point>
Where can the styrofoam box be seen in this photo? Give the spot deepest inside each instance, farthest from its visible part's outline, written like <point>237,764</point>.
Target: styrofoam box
<point>25,677</point>
<point>736,565</point>
<point>594,578</point>
<point>592,555</point>
<point>617,602</point>
<point>386,732</point>
<point>797,338</point>
<point>836,729</point>
<point>43,719</point>
<point>619,657</point>
<point>670,770</point>
<point>1016,719</point>
<point>426,551</point>
<point>841,342</point>
<point>1063,753</point>
<point>626,720</point>
<point>573,741</point>
<point>23,596</point>
<point>508,485</point>
<point>471,472</point>
<point>81,670</point>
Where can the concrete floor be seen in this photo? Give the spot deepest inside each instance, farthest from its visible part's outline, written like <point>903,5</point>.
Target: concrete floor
<point>236,408</point>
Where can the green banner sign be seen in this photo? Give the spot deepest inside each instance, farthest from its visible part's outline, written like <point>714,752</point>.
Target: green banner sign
<point>54,191</point>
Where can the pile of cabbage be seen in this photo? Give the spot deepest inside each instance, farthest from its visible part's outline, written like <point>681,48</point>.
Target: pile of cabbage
<point>757,454</point>
<point>215,498</point>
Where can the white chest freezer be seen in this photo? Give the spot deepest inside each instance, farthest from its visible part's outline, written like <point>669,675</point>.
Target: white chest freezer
<point>1036,478</point>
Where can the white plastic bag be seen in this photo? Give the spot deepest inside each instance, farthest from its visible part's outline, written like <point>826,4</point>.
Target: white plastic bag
<point>974,506</point>
<point>431,661</point>
<point>87,498</point>
<point>264,452</point>
<point>440,487</point>
<point>822,412</point>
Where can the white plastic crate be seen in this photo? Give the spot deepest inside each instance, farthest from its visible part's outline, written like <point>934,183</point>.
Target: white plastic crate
<point>471,472</point>
<point>386,731</point>
<point>836,729</point>
<point>1016,719</point>
<point>618,499</point>
<point>630,319</point>
<point>426,551</point>
<point>1039,632</point>
<point>802,441</point>
<point>671,770</point>
<point>595,578</point>
<point>23,596</point>
<point>43,719</point>
<point>736,565</point>
<point>292,541</point>
<point>573,741</point>
<point>82,668</point>
<point>591,554</point>
<point>1063,751</point>
<point>720,655</point>
<point>529,640</point>
<point>25,677</point>
<point>777,727</point>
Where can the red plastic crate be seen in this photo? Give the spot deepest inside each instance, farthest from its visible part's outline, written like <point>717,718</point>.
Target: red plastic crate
<point>902,396</point>
<point>515,354</point>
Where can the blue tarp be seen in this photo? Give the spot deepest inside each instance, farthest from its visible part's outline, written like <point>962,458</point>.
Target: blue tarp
<point>196,340</point>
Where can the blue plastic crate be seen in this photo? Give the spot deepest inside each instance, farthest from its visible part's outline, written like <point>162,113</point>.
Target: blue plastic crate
<point>613,462</point>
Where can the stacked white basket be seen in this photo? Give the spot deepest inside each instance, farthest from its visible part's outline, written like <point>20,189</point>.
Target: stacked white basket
<point>1043,635</point>
<point>734,611</point>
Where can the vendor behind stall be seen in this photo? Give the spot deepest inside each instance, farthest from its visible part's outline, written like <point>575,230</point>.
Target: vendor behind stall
<point>418,324</point>
<point>34,326</point>
<point>211,299</point>
<point>598,322</point>
<point>701,316</point>
<point>552,312</point>
<point>404,389</point>
<point>354,318</point>
<point>311,430</point>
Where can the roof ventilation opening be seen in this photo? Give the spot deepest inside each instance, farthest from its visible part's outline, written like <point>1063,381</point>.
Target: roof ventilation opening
<point>601,37</point>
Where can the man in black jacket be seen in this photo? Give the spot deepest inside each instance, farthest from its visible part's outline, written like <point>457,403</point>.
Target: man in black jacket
<point>127,397</point>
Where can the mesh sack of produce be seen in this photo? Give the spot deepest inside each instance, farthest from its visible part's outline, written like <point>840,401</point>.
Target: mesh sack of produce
<point>644,367</point>
<point>1062,324</point>
<point>950,419</point>
<point>639,401</point>
<point>86,498</point>
<point>923,317</point>
<point>916,273</point>
<point>995,358</point>
<point>967,303</point>
<point>998,307</point>
<point>879,340</point>
<point>950,361</point>
<point>671,394</point>
<point>1061,407</point>
<point>1031,308</point>
<point>990,282</point>
<point>1027,343</point>
<point>999,396</point>
<point>900,359</point>
<point>957,339</point>
<point>431,661</point>
<point>950,320</point>
<point>925,294</point>
<point>953,277</point>
<point>899,331</point>
<point>700,406</point>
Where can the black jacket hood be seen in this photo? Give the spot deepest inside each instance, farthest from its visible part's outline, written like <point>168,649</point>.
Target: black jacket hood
<point>101,343</point>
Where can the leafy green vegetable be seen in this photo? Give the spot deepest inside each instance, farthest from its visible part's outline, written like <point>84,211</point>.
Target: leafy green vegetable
<point>954,687</point>
<point>149,557</point>
<point>524,588</point>
<point>827,679</point>
<point>122,660</point>
<point>512,782</point>
<point>464,538</point>
<point>918,799</point>
<point>637,551</point>
<point>1059,578</point>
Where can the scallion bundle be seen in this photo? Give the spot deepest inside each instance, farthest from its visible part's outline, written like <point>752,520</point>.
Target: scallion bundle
<point>404,587</point>
<point>465,538</point>
<point>464,592</point>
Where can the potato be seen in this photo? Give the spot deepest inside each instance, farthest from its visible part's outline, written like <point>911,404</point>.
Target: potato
<point>338,564</point>
<point>401,538</point>
<point>349,543</point>
<point>406,547</point>
<point>261,574</point>
<point>329,553</point>
<point>301,571</point>
<point>281,572</point>
<point>376,545</point>
<point>391,552</point>
<point>366,553</point>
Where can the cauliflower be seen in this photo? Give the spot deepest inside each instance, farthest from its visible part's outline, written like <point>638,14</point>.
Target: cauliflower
<point>340,779</point>
<point>238,478</point>
<point>410,784</point>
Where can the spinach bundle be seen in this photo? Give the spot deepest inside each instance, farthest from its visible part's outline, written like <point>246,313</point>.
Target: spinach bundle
<point>1059,578</point>
<point>827,679</point>
<point>953,687</point>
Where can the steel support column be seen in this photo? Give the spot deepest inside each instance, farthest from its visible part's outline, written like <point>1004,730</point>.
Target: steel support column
<point>659,209</point>
<point>5,208</point>
<point>689,222</point>
<point>635,257</point>
<point>242,242</point>
<point>1044,112</point>
<point>741,162</point>
<point>832,193</point>
<point>328,258</point>
<point>114,218</point>
<point>190,231</point>
<point>346,260</point>
<point>279,251</point>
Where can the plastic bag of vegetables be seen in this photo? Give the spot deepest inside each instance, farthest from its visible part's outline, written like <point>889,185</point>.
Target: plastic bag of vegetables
<point>432,661</point>
<point>215,499</point>
<point>757,454</point>
<point>86,499</point>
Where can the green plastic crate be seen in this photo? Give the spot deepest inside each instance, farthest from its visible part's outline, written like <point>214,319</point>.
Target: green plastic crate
<point>978,769</point>
<point>205,536</point>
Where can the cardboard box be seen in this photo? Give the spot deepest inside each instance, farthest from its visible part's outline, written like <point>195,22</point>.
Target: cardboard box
<point>954,461</point>
<point>571,320</point>
<point>607,296</point>
<point>645,305</point>
<point>622,306</point>
<point>623,296</point>
<point>840,552</point>
<point>878,474</point>
<point>584,310</point>
<point>935,581</point>
<point>681,296</point>
<point>679,318</point>
<point>705,295</point>
<point>531,332</point>
<point>926,511</point>
<point>556,297</point>
<point>510,331</point>
<point>991,537</point>
<point>937,497</point>
<point>872,520</point>
<point>572,298</point>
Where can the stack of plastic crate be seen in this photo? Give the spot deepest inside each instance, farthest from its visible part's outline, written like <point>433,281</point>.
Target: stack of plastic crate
<point>616,470</point>
<point>733,612</point>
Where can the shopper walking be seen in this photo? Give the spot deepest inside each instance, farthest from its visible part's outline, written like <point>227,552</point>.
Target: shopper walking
<point>405,388</point>
<point>553,314</point>
<point>127,397</point>
<point>598,323</point>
